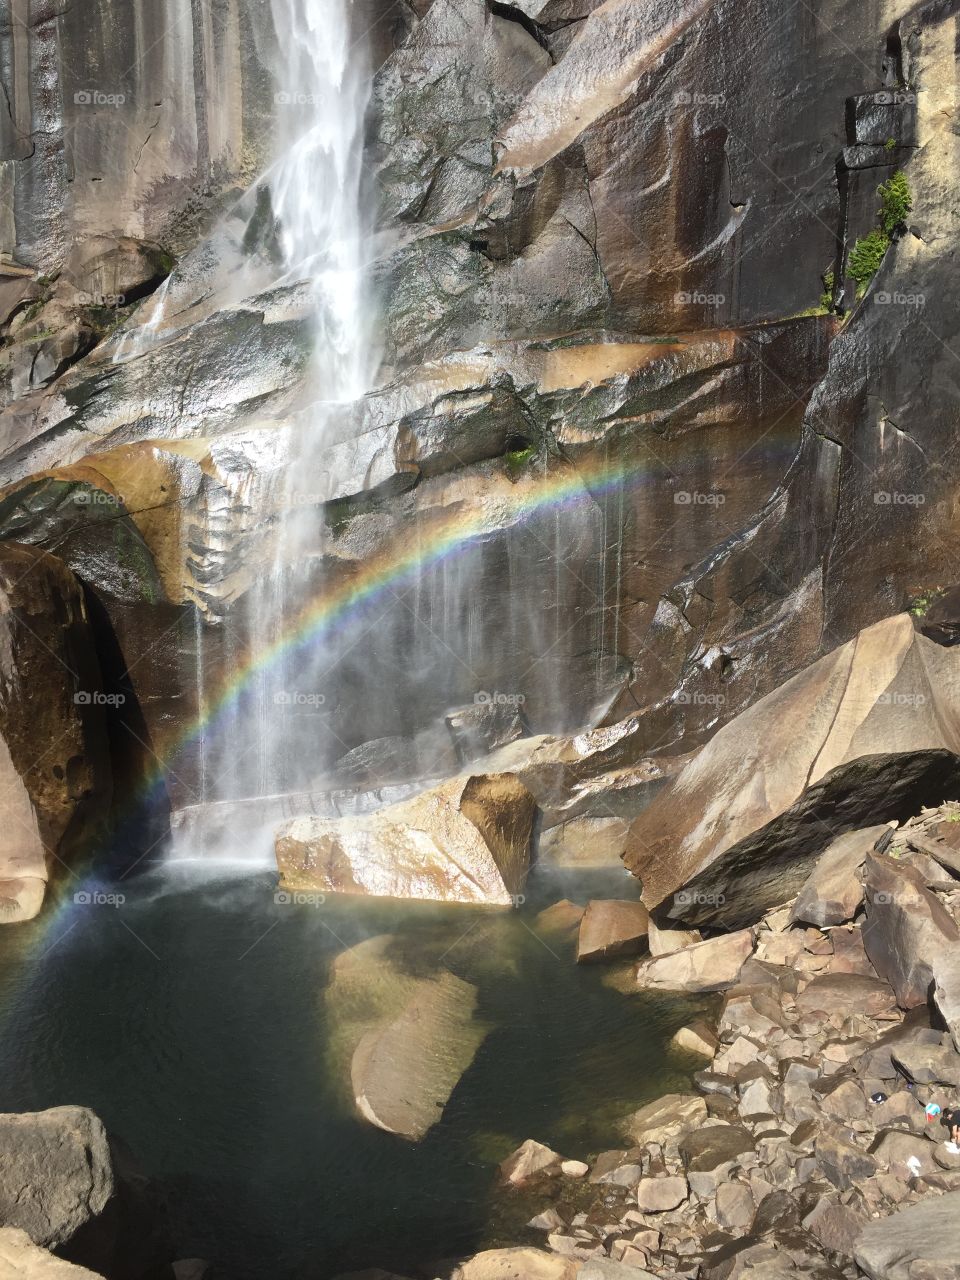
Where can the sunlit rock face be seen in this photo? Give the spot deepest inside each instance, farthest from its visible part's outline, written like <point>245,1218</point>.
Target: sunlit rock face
<point>467,840</point>
<point>636,484</point>
<point>55,773</point>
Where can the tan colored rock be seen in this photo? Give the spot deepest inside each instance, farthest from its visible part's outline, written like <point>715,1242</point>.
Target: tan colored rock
<point>574,1168</point>
<point>907,930</point>
<point>584,842</point>
<point>611,928</point>
<point>834,891</point>
<point>529,1159</point>
<point>560,917</point>
<point>21,1259</point>
<point>698,1038</point>
<point>402,1042</point>
<point>659,1195</point>
<point>863,732</point>
<point>663,942</point>
<point>665,1119</point>
<point>735,1206</point>
<point>705,966</point>
<point>467,840</point>
<point>845,993</point>
<point>517,1264</point>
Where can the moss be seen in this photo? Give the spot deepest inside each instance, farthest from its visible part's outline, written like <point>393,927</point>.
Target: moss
<point>896,201</point>
<point>865,259</point>
<point>920,604</point>
<point>890,143</point>
<point>517,459</point>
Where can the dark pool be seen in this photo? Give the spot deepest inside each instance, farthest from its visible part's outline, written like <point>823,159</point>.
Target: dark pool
<point>193,1018</point>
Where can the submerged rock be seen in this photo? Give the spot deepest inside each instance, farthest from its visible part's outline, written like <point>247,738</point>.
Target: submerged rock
<point>529,1159</point>
<point>866,733</point>
<point>403,1042</point>
<point>467,840</point>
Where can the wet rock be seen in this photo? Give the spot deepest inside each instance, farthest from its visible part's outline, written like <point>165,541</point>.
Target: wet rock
<point>834,891</point>
<point>467,840</point>
<point>894,1247</point>
<point>610,929</point>
<point>529,1159</point>
<point>659,1195</point>
<point>54,758</point>
<point>483,727</point>
<point>906,930</point>
<point>21,1259</point>
<point>401,1041</point>
<point>666,1118</point>
<point>704,966</point>
<point>561,917</point>
<point>717,846</point>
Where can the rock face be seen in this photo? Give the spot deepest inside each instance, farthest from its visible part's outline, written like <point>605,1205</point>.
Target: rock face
<point>610,928</point>
<point>403,1042</point>
<point>866,733</point>
<point>54,759</point>
<point>466,841</point>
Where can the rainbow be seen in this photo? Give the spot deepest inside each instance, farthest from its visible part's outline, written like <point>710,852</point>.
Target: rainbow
<point>391,569</point>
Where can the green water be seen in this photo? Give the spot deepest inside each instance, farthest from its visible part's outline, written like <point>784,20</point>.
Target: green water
<point>195,1019</point>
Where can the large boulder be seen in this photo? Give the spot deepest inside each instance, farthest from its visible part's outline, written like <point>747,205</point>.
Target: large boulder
<point>401,1042</point>
<point>467,840</point>
<point>517,1264</point>
<point>907,931</point>
<point>63,1183</point>
<point>864,734</point>
<point>611,928</point>
<point>894,1248</point>
<point>54,759</point>
<point>834,891</point>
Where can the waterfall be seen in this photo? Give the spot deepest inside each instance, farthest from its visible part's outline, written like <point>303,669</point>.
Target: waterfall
<point>269,755</point>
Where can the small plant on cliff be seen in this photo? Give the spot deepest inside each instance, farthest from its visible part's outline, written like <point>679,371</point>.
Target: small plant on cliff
<point>896,202</point>
<point>865,258</point>
<point>826,298</point>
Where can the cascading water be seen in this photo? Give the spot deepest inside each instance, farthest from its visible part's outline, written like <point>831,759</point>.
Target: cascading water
<point>317,234</point>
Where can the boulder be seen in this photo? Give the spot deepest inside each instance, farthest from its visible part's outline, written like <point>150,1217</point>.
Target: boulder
<point>529,1159</point>
<point>611,928</point>
<point>844,993</point>
<point>698,1038</point>
<point>921,1235</point>
<point>704,966</point>
<point>833,892</point>
<point>660,1194</point>
<point>665,1119</point>
<point>663,942</point>
<point>21,1259</point>
<point>62,1183</point>
<point>928,1063</point>
<point>841,1162</point>
<point>54,757</point>
<point>907,929</point>
<point>467,840</point>
<point>865,734</point>
<point>402,1041</point>
<point>561,917</point>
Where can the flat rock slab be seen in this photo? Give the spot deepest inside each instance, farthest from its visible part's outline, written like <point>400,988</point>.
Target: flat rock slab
<point>907,929</point>
<point>705,966</point>
<point>611,928</point>
<point>660,1195</point>
<point>517,1264</point>
<point>666,1118</point>
<point>894,1248</point>
<point>846,993</point>
<point>834,891</point>
<point>928,1063</point>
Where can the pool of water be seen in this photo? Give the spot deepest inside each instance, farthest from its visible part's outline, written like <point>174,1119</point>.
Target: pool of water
<point>195,1017</point>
